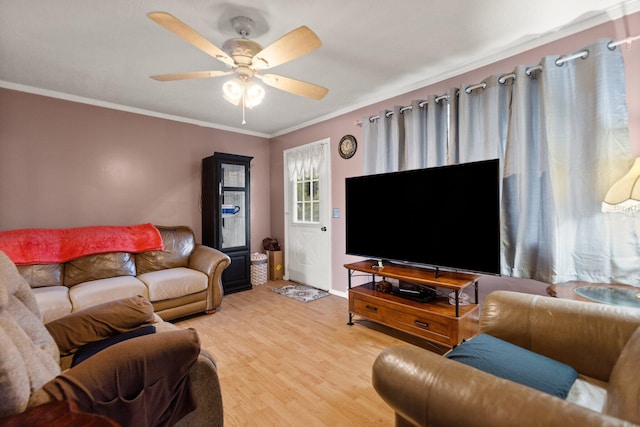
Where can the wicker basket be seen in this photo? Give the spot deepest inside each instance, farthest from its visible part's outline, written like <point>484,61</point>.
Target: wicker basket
<point>258,269</point>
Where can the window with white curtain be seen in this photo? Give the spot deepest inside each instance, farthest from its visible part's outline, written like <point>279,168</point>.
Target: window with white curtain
<point>303,164</point>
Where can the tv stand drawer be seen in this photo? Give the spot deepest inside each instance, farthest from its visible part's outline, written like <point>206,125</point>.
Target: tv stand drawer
<point>419,319</point>
<point>409,319</point>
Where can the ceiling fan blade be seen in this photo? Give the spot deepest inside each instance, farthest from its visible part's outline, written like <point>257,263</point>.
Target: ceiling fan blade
<point>191,75</point>
<point>290,46</point>
<point>297,87</point>
<point>189,35</point>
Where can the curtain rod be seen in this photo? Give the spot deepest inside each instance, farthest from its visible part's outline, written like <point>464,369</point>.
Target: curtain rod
<point>421,104</point>
<point>583,54</point>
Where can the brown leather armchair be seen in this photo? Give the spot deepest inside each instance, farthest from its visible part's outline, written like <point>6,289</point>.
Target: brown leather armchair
<point>601,342</point>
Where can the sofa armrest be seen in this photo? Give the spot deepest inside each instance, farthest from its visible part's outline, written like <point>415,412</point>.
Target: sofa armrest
<point>206,390</point>
<point>426,389</point>
<point>211,262</point>
<point>588,336</point>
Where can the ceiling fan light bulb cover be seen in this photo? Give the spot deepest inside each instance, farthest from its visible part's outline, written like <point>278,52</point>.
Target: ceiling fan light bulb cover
<point>254,94</point>
<point>232,91</point>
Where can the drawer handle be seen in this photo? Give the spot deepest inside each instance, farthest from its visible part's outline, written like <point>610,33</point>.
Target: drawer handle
<point>421,324</point>
<point>371,308</point>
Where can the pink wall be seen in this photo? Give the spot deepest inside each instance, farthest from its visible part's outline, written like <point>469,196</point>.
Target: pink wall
<point>66,164</point>
<point>337,127</point>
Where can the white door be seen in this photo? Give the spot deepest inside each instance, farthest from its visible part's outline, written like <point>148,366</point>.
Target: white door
<point>307,198</point>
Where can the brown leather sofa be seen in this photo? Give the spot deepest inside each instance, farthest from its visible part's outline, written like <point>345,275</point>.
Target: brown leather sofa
<point>601,342</point>
<point>182,279</point>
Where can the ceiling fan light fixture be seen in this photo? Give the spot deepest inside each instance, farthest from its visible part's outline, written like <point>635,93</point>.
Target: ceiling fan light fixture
<point>236,90</point>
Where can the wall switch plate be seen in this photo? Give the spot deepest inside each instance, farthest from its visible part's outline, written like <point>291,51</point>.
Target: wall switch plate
<point>336,212</point>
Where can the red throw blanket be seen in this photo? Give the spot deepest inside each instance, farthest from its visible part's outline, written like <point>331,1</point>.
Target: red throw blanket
<point>56,245</point>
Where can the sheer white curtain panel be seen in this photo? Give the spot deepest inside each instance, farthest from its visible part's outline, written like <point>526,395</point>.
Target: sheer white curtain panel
<point>302,160</point>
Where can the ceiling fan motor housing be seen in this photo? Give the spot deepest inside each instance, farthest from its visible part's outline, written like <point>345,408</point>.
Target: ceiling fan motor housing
<point>241,50</point>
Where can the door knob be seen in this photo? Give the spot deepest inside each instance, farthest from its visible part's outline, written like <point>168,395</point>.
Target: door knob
<point>323,228</point>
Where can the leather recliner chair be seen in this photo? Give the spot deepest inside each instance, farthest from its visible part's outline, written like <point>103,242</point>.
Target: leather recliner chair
<point>601,342</point>
<point>163,378</point>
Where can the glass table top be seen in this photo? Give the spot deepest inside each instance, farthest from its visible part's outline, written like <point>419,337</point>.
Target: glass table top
<point>613,296</point>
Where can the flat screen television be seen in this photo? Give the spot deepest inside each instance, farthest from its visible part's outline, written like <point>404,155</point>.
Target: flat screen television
<point>445,217</point>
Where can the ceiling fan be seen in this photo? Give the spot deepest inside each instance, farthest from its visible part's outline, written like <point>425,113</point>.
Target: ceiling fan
<point>247,59</point>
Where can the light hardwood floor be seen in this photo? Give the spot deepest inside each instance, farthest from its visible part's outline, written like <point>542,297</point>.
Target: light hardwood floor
<point>283,362</point>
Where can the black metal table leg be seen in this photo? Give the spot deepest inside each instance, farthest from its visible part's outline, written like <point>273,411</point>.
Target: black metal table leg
<point>457,292</point>
<point>475,285</point>
<point>349,272</point>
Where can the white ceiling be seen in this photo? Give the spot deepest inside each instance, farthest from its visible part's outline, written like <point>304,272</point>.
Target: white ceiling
<point>103,51</point>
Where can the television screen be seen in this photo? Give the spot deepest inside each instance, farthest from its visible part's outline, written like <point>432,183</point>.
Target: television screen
<point>446,217</point>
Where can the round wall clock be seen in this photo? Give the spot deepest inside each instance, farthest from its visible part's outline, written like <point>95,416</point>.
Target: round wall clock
<point>347,146</point>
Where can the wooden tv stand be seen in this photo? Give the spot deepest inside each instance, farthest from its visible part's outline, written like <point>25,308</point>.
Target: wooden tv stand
<point>436,320</point>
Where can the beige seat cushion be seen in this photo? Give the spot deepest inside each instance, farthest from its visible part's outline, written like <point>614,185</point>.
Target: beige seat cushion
<point>173,283</point>
<point>100,291</point>
<point>53,302</point>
